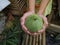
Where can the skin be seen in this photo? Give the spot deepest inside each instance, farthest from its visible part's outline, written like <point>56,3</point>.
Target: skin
<point>43,6</point>
<point>32,11</point>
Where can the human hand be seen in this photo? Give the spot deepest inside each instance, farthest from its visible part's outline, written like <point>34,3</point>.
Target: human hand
<point>22,20</point>
<point>24,27</point>
<point>45,24</point>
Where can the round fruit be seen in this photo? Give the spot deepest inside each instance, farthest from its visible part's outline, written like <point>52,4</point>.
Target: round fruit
<point>34,23</point>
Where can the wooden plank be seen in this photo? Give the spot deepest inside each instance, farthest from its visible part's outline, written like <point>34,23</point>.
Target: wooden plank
<point>54,27</point>
<point>44,39</point>
<point>27,39</point>
<point>23,42</point>
<point>37,40</point>
<point>40,40</point>
<point>30,40</point>
<point>59,6</point>
<point>33,40</point>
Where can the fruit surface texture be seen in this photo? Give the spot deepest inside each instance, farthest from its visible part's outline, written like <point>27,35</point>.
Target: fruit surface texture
<point>34,23</point>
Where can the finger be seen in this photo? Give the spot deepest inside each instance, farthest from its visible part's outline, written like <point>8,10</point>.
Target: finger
<point>24,28</point>
<point>44,19</point>
<point>22,19</point>
<point>22,23</point>
<point>35,33</point>
<point>42,30</point>
<point>28,32</point>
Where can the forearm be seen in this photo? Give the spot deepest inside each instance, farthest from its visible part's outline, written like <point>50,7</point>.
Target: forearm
<point>43,6</point>
<point>32,5</point>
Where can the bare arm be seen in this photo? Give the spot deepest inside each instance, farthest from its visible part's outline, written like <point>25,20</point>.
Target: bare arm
<point>32,5</point>
<point>43,6</point>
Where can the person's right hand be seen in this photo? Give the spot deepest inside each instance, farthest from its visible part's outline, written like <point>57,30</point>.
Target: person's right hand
<point>22,20</point>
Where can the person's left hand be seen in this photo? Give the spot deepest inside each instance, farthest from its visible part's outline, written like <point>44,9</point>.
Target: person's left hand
<point>44,25</point>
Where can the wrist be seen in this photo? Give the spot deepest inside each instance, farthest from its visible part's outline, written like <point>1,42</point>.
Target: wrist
<point>31,11</point>
<point>40,13</point>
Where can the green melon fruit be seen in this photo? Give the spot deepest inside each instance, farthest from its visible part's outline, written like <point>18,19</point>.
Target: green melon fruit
<point>34,23</point>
